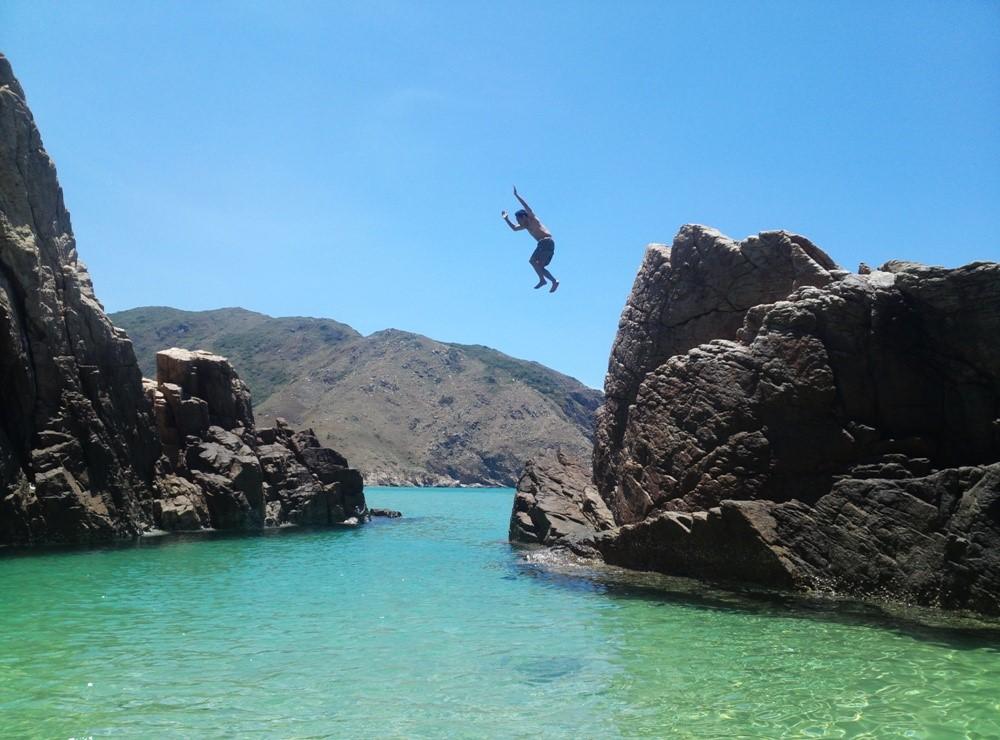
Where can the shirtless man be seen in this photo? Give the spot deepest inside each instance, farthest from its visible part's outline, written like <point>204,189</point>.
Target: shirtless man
<point>540,258</point>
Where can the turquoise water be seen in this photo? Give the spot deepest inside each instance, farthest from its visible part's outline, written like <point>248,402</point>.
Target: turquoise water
<point>432,625</point>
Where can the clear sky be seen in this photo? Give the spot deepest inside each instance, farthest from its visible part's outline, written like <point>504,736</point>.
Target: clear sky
<point>351,160</point>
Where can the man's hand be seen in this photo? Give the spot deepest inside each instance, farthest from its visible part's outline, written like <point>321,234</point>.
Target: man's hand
<point>503,215</point>
<point>515,191</point>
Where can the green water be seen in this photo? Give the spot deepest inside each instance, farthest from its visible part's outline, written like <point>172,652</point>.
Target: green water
<point>433,626</point>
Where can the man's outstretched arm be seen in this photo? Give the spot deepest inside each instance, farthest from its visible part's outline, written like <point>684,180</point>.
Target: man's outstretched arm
<point>523,202</point>
<point>513,226</point>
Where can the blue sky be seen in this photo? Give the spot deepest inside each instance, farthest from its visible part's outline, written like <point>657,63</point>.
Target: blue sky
<point>351,160</point>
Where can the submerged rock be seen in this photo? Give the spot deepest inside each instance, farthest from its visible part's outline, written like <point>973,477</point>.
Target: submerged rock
<point>387,513</point>
<point>772,419</point>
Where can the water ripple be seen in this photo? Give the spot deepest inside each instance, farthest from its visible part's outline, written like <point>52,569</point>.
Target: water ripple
<point>432,625</point>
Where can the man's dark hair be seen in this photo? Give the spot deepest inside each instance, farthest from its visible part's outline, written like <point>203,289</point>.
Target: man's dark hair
<point>521,214</point>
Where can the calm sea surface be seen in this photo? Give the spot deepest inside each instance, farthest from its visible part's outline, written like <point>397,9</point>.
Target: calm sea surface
<point>432,625</point>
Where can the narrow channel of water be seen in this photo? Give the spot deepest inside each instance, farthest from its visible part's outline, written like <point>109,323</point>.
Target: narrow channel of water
<point>433,625</point>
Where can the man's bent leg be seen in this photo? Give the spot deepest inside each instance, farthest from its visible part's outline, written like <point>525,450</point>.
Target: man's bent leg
<point>539,270</point>
<point>555,283</point>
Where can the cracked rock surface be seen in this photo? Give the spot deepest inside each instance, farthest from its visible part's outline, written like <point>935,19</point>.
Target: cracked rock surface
<point>695,291</point>
<point>556,503</point>
<point>772,419</point>
<point>77,444</point>
<point>88,450</point>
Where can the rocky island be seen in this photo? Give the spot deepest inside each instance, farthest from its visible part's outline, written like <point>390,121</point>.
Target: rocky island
<point>89,450</point>
<point>775,420</point>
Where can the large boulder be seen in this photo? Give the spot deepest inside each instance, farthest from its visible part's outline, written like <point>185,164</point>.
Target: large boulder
<point>229,472</point>
<point>889,375</point>
<point>211,378</point>
<point>306,483</point>
<point>698,290</point>
<point>836,438</point>
<point>772,419</point>
<point>77,442</point>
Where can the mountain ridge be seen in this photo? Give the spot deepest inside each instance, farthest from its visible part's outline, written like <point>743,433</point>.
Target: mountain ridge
<point>405,408</point>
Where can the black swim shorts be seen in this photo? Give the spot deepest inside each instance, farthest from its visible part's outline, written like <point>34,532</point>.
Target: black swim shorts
<point>544,251</point>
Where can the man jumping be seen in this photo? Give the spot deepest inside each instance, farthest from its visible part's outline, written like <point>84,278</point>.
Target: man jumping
<point>540,258</point>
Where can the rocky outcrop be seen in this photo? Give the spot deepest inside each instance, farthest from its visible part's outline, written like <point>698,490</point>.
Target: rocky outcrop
<point>844,435</point>
<point>248,477</point>
<point>887,375</point>
<point>836,440</point>
<point>556,503</point>
<point>77,444</point>
<point>929,540</point>
<point>210,378</point>
<point>698,290</point>
<point>88,450</point>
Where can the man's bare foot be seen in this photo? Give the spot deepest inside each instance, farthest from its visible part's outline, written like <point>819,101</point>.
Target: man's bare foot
<point>555,284</point>
<point>540,284</point>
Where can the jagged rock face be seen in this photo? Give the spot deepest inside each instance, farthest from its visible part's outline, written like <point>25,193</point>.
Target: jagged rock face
<point>556,503</point>
<point>77,444</point>
<point>931,540</point>
<point>81,431</point>
<point>306,483</point>
<point>211,378</point>
<point>219,471</point>
<point>843,436</point>
<point>695,291</point>
<point>889,375</point>
<point>774,420</point>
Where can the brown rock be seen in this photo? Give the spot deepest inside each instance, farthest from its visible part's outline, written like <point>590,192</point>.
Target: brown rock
<point>210,378</point>
<point>698,290</point>
<point>845,437</point>
<point>557,503</point>
<point>77,443</point>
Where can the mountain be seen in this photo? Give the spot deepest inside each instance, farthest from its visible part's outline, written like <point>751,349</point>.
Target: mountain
<point>404,408</point>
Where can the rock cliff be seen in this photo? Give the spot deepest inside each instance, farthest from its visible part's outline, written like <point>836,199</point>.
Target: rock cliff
<point>773,419</point>
<point>77,444</point>
<point>88,450</point>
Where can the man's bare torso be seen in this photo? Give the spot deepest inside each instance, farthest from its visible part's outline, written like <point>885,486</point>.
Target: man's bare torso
<point>536,228</point>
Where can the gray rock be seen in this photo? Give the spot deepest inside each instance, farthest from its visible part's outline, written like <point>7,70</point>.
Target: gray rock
<point>387,513</point>
<point>180,505</point>
<point>228,468</point>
